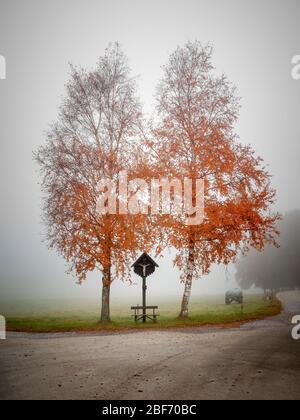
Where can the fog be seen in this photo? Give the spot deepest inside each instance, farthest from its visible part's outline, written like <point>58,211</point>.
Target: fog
<point>254,43</point>
<point>277,267</point>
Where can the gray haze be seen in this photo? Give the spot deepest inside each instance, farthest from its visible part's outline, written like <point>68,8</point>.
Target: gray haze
<point>254,43</point>
<point>275,268</point>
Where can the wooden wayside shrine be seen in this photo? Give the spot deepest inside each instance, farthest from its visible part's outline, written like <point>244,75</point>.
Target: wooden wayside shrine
<point>144,267</point>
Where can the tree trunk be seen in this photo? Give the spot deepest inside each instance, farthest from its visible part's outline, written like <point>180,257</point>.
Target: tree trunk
<point>105,308</point>
<point>188,282</point>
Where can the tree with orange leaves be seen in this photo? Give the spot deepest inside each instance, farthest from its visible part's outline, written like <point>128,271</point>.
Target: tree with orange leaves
<point>93,139</point>
<point>194,137</point>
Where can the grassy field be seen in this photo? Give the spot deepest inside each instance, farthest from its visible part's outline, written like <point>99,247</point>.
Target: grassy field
<point>203,311</point>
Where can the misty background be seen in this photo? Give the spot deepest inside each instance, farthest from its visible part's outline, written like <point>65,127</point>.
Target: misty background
<point>254,43</point>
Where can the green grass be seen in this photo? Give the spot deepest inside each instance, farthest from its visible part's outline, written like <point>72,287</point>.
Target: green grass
<point>208,311</point>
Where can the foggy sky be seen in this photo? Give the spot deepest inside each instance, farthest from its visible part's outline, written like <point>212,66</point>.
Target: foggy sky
<point>254,42</point>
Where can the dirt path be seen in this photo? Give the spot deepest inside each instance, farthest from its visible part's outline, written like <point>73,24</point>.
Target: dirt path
<point>258,360</point>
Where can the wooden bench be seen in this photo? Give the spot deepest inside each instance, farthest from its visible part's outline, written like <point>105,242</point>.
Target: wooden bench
<point>141,312</point>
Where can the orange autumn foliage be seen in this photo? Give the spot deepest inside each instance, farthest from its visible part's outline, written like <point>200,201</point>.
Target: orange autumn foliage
<point>95,137</point>
<point>194,137</point>
<point>99,133</point>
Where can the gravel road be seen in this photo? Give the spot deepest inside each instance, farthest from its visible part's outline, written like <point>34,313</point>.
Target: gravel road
<point>259,360</point>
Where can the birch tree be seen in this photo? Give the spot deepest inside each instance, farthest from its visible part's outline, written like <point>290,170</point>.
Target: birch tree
<point>194,137</point>
<point>94,138</point>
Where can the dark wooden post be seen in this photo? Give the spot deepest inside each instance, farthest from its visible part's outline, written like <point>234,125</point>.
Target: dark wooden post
<point>144,299</point>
